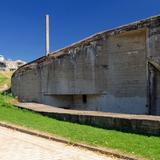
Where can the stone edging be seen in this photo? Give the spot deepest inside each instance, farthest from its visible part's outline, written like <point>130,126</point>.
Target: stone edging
<point>84,146</point>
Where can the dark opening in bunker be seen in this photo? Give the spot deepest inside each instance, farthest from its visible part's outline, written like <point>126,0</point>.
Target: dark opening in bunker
<point>84,99</point>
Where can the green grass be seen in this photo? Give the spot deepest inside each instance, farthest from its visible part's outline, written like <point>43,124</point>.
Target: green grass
<point>145,146</point>
<point>5,78</point>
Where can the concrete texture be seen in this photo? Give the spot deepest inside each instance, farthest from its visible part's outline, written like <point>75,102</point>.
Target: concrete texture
<point>16,146</point>
<point>125,122</point>
<point>109,71</point>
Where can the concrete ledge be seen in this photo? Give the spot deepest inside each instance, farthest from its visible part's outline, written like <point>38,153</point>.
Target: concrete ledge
<point>108,152</point>
<point>141,124</point>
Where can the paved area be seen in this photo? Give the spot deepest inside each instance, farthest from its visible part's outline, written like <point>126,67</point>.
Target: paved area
<point>46,108</point>
<point>15,145</point>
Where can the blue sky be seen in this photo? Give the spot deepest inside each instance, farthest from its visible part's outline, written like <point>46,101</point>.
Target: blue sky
<point>22,22</point>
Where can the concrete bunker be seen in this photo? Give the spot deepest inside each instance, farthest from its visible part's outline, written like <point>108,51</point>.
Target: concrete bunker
<point>113,71</point>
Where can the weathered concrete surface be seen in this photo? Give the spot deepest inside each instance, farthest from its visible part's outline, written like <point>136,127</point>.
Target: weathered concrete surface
<point>153,55</point>
<point>16,145</point>
<point>107,72</point>
<point>133,123</point>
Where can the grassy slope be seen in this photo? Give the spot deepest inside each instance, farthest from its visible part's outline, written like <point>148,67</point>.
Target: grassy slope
<point>128,143</point>
<point>5,78</point>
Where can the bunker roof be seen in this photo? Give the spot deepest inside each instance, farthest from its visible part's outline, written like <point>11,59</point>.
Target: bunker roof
<point>144,23</point>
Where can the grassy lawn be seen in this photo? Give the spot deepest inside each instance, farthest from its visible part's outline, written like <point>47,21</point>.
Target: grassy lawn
<point>145,146</point>
<point>5,78</point>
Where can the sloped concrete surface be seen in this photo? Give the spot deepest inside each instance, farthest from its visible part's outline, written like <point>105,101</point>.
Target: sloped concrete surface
<point>47,108</point>
<point>143,124</point>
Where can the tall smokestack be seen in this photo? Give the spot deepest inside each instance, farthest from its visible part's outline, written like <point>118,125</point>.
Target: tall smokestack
<point>47,35</point>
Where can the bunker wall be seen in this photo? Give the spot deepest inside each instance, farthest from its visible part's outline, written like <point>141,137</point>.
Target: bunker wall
<point>108,73</point>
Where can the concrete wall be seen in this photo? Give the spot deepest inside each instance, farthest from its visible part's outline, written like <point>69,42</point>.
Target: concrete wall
<point>153,41</point>
<point>110,70</point>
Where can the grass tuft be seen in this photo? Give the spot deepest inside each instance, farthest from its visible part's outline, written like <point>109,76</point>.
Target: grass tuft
<point>5,79</point>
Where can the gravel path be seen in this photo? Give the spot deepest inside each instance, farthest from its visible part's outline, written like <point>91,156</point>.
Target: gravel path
<point>15,145</point>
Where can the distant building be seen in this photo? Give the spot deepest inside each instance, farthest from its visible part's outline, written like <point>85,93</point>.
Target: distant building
<point>10,65</point>
<point>20,63</point>
<point>2,58</point>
